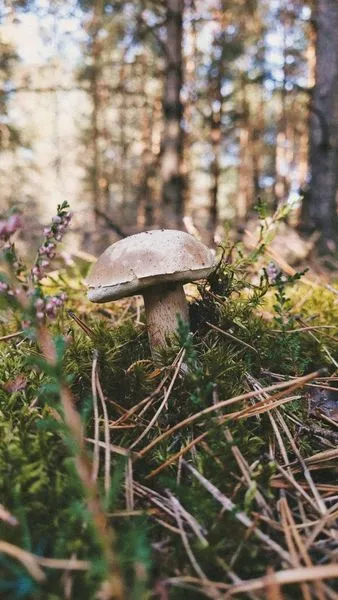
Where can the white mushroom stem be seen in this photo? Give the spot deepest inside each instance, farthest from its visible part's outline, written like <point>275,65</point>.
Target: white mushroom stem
<point>163,304</point>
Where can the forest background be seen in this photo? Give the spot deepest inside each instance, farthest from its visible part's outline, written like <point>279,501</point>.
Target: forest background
<point>208,467</point>
<point>184,114</point>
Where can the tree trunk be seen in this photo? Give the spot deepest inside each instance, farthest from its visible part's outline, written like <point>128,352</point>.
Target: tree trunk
<point>245,168</point>
<point>216,123</point>
<point>123,118</point>
<point>172,142</point>
<point>96,106</point>
<point>320,207</point>
<point>145,210</point>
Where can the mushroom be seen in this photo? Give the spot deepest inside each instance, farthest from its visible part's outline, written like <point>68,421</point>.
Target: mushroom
<point>155,264</point>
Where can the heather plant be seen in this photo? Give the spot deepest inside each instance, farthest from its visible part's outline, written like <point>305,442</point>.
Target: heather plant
<point>21,284</point>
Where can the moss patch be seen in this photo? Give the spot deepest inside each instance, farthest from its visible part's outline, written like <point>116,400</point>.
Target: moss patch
<point>244,335</point>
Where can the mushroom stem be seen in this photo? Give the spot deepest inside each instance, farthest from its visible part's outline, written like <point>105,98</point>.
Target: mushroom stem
<point>163,304</point>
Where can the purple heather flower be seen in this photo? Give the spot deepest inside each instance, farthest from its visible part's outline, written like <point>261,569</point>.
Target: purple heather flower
<point>36,272</point>
<point>272,272</point>
<point>10,226</point>
<point>14,223</point>
<point>39,303</point>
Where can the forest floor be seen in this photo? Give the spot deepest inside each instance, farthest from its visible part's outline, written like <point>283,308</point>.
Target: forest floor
<point>210,471</point>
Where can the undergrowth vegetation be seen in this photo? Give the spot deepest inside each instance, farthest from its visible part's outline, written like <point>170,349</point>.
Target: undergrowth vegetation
<point>192,475</point>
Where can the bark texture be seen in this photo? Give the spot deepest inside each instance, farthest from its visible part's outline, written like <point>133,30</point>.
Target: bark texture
<point>172,142</point>
<point>320,209</point>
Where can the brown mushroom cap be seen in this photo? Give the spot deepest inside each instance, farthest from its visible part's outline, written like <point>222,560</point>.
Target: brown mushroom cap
<point>146,259</point>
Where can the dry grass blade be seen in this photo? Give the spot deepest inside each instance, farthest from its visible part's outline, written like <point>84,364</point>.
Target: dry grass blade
<point>264,406</point>
<point>69,564</point>
<point>331,422</point>
<point>10,336</point>
<point>26,558</point>
<point>307,474</point>
<point>107,462</point>
<point>191,521</point>
<point>129,486</point>
<point>228,505</point>
<point>235,579</point>
<point>278,437</point>
<point>116,449</point>
<point>284,385</point>
<point>308,328</point>
<point>287,576</point>
<point>273,589</point>
<point>96,453</point>
<point>302,549</point>
<point>276,429</point>
<point>165,505</point>
<point>87,330</point>
<point>260,408</point>
<point>163,403</point>
<point>322,523</point>
<point>289,537</point>
<point>178,455</point>
<point>146,402</point>
<point>232,337</point>
<point>245,470</point>
<point>133,513</point>
<point>32,561</point>
<point>185,541</point>
<point>246,413</point>
<point>154,498</point>
<point>326,488</point>
<point>326,455</point>
<point>67,582</point>
<point>297,487</point>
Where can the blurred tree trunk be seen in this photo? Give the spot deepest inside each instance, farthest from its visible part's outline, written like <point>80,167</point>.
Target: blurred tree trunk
<point>245,173</point>
<point>216,76</point>
<point>319,208</point>
<point>190,84</point>
<point>95,97</point>
<point>257,146</point>
<point>216,134</point>
<point>145,209</point>
<point>281,187</point>
<point>123,117</point>
<point>172,141</point>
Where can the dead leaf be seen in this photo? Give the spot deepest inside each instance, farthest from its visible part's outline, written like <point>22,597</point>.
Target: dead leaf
<point>16,385</point>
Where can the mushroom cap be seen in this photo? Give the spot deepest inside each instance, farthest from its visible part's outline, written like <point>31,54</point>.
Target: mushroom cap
<point>146,259</point>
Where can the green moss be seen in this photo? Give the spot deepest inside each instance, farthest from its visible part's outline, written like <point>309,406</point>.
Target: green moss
<point>38,480</point>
